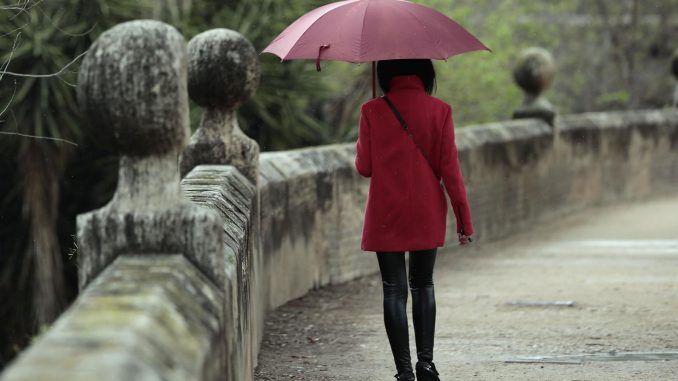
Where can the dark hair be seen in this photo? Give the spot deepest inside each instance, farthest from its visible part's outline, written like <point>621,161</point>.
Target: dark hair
<point>388,69</point>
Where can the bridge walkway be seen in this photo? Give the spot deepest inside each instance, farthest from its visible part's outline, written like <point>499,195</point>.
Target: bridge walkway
<point>618,264</point>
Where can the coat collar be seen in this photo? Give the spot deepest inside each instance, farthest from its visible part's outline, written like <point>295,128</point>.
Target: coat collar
<point>411,81</point>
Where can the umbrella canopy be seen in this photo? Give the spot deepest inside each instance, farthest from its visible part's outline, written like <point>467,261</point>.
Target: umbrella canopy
<point>372,30</point>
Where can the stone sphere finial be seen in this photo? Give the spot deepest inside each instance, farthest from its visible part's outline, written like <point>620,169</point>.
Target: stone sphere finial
<point>223,69</point>
<point>534,71</point>
<point>133,81</point>
<point>223,73</point>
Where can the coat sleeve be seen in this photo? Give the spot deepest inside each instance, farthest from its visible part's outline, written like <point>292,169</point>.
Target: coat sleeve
<point>452,176</point>
<point>363,159</point>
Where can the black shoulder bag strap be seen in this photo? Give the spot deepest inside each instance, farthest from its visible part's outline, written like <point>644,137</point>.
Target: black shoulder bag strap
<point>409,133</point>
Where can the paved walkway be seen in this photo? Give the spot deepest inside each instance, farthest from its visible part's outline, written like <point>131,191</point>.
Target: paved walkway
<point>619,265</point>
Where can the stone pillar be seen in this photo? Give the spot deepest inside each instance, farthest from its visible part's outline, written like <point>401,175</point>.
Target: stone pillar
<point>133,82</point>
<point>674,70</point>
<point>223,73</point>
<point>533,72</point>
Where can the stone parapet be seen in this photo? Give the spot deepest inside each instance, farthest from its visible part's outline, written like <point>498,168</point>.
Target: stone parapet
<point>148,317</point>
<point>518,173</point>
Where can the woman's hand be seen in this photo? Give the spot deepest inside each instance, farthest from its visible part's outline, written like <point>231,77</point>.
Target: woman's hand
<point>464,239</point>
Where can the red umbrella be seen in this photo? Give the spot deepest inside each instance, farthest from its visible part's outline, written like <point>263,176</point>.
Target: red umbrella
<point>372,30</point>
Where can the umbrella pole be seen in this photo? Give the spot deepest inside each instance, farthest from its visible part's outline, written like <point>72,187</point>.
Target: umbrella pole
<point>374,80</point>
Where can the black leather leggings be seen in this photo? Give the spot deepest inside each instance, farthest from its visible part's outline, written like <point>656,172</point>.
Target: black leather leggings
<point>395,282</point>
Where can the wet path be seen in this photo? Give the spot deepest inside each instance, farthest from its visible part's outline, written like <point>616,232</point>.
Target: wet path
<point>619,265</point>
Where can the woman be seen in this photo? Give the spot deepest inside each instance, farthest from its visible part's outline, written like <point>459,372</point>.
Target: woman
<point>406,207</point>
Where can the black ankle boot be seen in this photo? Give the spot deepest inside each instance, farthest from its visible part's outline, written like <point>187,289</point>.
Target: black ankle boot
<point>426,371</point>
<point>405,376</point>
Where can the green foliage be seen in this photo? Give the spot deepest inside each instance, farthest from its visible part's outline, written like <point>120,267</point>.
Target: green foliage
<point>608,54</point>
<point>602,63</point>
<point>38,49</point>
<point>40,46</point>
<point>296,106</point>
<point>280,115</point>
<point>613,100</point>
<point>45,38</point>
<point>479,85</point>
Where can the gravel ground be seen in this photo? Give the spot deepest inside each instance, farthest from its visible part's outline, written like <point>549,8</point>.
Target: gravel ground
<point>621,272</point>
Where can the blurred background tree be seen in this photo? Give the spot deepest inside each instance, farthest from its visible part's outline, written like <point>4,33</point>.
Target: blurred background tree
<point>41,135</point>
<point>278,116</point>
<point>611,54</point>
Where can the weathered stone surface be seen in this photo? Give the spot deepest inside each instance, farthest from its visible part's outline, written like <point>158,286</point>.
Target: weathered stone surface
<point>312,204</point>
<point>183,227</point>
<point>517,173</point>
<point>219,140</point>
<point>534,72</point>
<point>149,213</point>
<point>133,81</point>
<point>149,317</point>
<point>223,73</point>
<point>589,159</point>
<point>223,69</point>
<point>226,191</point>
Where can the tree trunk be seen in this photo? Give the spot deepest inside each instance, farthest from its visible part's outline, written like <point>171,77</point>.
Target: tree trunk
<point>40,165</point>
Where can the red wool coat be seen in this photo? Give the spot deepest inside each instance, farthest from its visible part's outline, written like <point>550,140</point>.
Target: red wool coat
<point>406,208</point>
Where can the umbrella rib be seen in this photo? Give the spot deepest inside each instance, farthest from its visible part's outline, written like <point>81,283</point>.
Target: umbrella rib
<point>362,32</point>
<point>425,29</point>
<point>347,2</point>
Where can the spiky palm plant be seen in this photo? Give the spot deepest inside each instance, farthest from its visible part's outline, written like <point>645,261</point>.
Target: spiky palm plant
<point>281,114</point>
<point>40,43</point>
<point>41,115</point>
